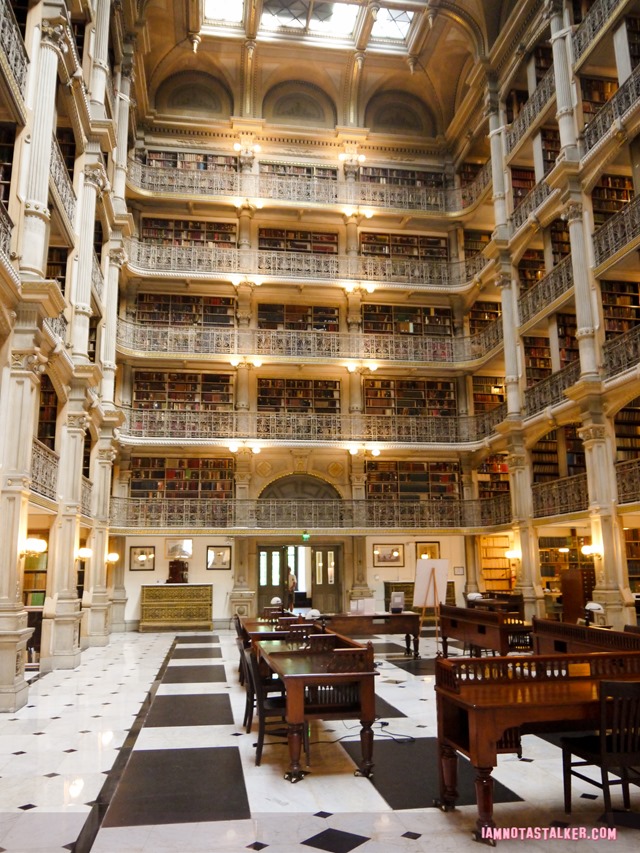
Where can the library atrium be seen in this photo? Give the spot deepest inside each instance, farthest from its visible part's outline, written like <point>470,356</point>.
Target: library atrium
<point>320,287</point>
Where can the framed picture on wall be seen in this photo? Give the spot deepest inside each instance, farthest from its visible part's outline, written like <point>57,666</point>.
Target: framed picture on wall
<point>218,557</point>
<point>178,549</point>
<point>142,558</point>
<point>388,555</point>
<point>427,550</point>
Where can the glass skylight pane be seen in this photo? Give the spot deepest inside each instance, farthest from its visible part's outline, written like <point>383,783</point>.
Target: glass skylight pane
<point>392,24</point>
<point>285,13</point>
<point>336,19</point>
<point>230,11</point>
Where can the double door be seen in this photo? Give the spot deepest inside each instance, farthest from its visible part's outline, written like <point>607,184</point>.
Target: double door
<point>317,569</point>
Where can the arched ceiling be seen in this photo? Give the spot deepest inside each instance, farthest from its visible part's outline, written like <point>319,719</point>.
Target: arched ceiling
<point>352,50</point>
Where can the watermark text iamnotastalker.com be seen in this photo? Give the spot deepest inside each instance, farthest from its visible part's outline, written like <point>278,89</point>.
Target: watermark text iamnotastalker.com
<point>550,833</point>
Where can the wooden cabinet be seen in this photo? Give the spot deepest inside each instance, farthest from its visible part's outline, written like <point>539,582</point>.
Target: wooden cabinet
<point>560,243</point>
<point>299,170</point>
<point>299,395</point>
<point>632,545</point>
<point>47,413</point>
<point>481,314</point>
<point>596,91</point>
<point>531,268</point>
<point>172,309</point>
<point>522,182</point>
<point>468,173</point>
<point>475,242</point>
<point>544,459</point>
<point>35,580</point>
<point>401,177</point>
<point>610,195</point>
<point>493,476</point>
<point>627,427</point>
<point>488,393</point>
<point>496,569</point>
<point>576,586</point>
<point>537,358</point>
<point>550,139</point>
<point>57,265</point>
<point>7,139</point>
<point>567,340</point>
<point>188,232</point>
<point>176,607</point>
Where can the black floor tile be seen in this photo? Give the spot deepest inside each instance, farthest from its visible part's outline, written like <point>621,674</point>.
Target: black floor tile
<point>180,786</point>
<point>198,638</point>
<point>182,654</point>
<point>193,674</point>
<point>195,710</point>
<point>385,648</point>
<point>386,711</point>
<point>335,841</point>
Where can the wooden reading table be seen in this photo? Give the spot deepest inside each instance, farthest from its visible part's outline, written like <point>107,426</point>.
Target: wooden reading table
<point>368,625</point>
<point>484,705</point>
<point>325,684</point>
<point>550,637</point>
<point>483,629</point>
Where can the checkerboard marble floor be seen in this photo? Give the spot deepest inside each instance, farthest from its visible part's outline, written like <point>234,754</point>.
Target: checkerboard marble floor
<point>141,750</point>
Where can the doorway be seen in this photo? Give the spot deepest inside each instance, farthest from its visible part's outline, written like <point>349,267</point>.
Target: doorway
<point>316,568</point>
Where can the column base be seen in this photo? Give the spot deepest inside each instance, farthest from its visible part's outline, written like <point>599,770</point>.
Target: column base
<point>60,646</point>
<point>14,689</point>
<point>242,602</point>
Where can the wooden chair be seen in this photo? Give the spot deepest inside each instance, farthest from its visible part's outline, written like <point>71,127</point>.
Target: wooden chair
<point>268,708</point>
<point>269,685</point>
<point>615,748</point>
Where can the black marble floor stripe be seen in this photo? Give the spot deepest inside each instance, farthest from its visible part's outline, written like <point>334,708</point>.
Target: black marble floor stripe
<point>191,710</point>
<point>384,648</point>
<point>197,638</point>
<point>385,711</point>
<point>204,674</point>
<point>184,654</point>
<point>180,786</point>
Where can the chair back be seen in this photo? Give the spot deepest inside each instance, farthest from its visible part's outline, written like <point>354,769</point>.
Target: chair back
<point>272,613</point>
<point>620,720</point>
<point>322,642</point>
<point>299,632</point>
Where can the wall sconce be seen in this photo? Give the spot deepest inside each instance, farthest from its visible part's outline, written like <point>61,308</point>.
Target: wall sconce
<point>355,367</point>
<point>513,554</point>
<point>355,449</point>
<point>590,551</point>
<point>356,211</point>
<point>358,287</point>
<point>563,550</point>
<point>84,553</point>
<point>33,546</point>
<point>112,557</point>
<point>236,446</point>
<point>250,361</point>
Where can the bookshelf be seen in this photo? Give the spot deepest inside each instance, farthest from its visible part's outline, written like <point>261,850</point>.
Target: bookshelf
<point>57,265</point>
<point>543,60</point>
<point>170,309</point>
<point>632,547</point>
<point>468,173</point>
<point>410,397</point>
<point>7,139</point>
<point>522,182</point>
<point>159,476</point>
<point>627,428</point>
<point>406,480</point>
<point>633,36</point>
<point>531,268</point>
<point>610,195</point>
<point>191,161</point>
<point>299,170</point>
<point>406,320</point>
<point>295,395</point>
<point>576,463</point>
<point>481,314</point>
<point>560,243</point>
<point>595,92</point>
<point>558,554</point>
<point>475,242</point>
<point>620,306</point>
<point>67,143</point>
<point>282,240</point>
<point>537,359</point>
<point>34,583</point>
<point>567,341</point>
<point>493,476</point>
<point>514,101</point>
<point>183,391</point>
<point>496,570</point>
<point>550,139</point>
<point>319,318</point>
<point>47,413</point>
<point>544,459</point>
<point>189,232</point>
<point>488,393</point>
<point>401,177</point>
<point>404,246</point>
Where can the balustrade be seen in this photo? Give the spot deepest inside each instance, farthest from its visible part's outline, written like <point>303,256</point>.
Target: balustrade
<point>61,183</point>
<point>13,49</point>
<point>595,19</point>
<point>618,232</point>
<point>611,114</point>
<point>6,226</point>
<point>550,391</point>
<point>86,491</point>
<point>530,203</point>
<point>97,279</point>
<point>58,326</point>
<point>561,496</point>
<point>628,481</point>
<point>621,352</point>
<point>44,470</point>
<point>536,102</point>
<point>538,298</point>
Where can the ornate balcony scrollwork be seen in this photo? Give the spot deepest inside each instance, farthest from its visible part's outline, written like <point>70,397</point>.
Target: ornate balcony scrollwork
<point>621,352</point>
<point>559,497</point>
<point>529,204</point>
<point>13,49</point>
<point>543,293</point>
<point>533,107</point>
<point>61,183</point>
<point>6,227</point>
<point>611,115</point>
<point>550,391</point>
<point>593,22</point>
<point>44,470</point>
<point>622,229</point>
<point>628,481</point>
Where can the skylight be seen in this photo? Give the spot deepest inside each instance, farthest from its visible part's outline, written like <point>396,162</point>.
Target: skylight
<point>312,16</point>
<point>392,24</point>
<point>224,11</point>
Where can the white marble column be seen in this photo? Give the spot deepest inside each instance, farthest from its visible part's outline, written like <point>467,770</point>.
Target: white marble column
<point>528,565</point>
<point>122,130</point>
<point>586,331</point>
<point>510,338</point>
<point>497,157</point>
<point>100,67</point>
<point>564,107</point>
<point>117,258</point>
<point>35,235</point>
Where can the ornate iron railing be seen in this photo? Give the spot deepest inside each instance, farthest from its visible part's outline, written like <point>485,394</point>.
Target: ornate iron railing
<point>86,490</point>
<point>628,481</point>
<point>550,391</point>
<point>6,226</point>
<point>44,470</point>
<point>622,352</point>
<point>537,101</point>
<point>13,49</point>
<point>97,279</point>
<point>278,514</point>
<point>547,290</point>
<point>487,339</point>
<point>172,425</point>
<point>61,183</point>
<point>617,232</point>
<point>308,190</point>
<point>595,19</point>
<point>559,497</point>
<point>58,326</point>
<point>529,204</point>
<point>613,111</point>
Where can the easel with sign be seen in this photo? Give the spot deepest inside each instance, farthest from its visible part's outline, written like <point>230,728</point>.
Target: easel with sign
<point>430,584</point>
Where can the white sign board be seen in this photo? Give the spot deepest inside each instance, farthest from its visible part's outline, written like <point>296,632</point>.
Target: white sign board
<point>431,582</point>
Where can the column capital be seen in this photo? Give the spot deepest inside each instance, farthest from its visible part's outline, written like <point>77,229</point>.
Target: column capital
<point>553,8</point>
<point>118,257</point>
<point>573,212</point>
<point>591,433</point>
<point>30,362</point>
<point>95,176</point>
<point>77,421</point>
<point>54,36</point>
<point>516,460</point>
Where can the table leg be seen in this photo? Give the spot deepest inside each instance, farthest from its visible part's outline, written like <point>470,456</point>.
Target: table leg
<point>366,745</point>
<point>416,645</point>
<point>295,772</point>
<point>448,778</point>
<point>484,797</point>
